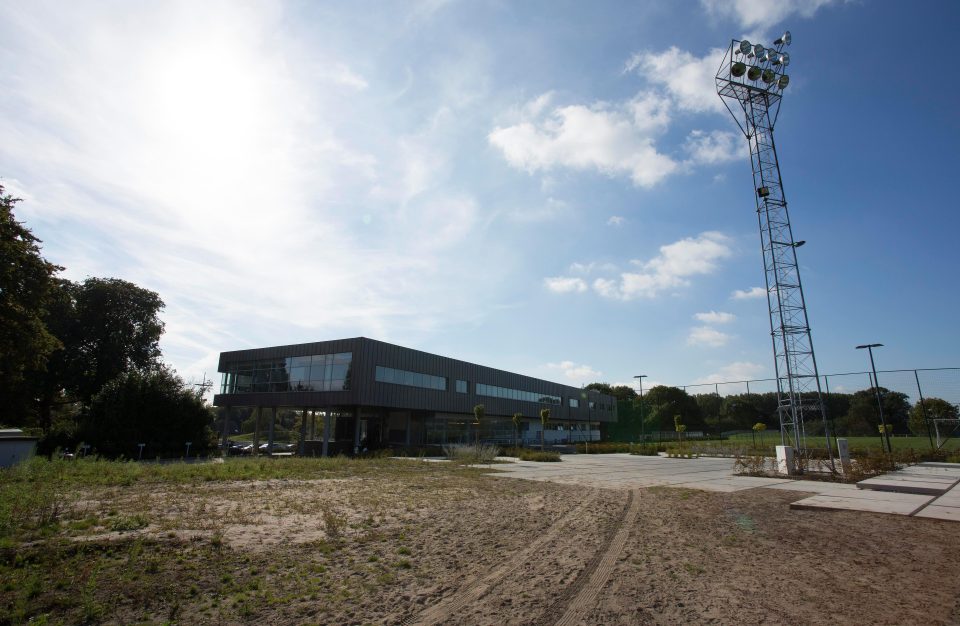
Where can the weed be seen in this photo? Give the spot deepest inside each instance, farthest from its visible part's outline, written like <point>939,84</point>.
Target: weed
<point>128,523</point>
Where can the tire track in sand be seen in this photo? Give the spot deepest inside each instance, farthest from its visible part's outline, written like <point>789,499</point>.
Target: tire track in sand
<point>477,588</point>
<point>594,576</point>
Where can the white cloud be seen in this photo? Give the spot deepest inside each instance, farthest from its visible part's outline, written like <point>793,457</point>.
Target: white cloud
<point>737,371</point>
<point>688,79</point>
<point>565,284</point>
<point>763,15</point>
<point>341,74</point>
<point>748,294</point>
<point>707,336</point>
<point>599,137</point>
<point>715,317</point>
<point>670,269</point>
<point>616,220</point>
<point>581,373</point>
<point>714,147</point>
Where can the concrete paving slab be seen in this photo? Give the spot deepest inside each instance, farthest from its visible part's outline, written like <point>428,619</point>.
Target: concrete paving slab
<point>935,511</point>
<point>906,504</point>
<point>902,483</point>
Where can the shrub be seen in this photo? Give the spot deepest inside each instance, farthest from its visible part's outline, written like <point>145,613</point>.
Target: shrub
<point>460,453</point>
<point>539,456</point>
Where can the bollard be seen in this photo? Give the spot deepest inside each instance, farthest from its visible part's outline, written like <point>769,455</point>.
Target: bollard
<point>843,451</point>
<point>785,463</point>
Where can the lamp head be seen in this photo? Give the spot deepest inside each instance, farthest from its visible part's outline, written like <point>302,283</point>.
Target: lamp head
<point>745,47</point>
<point>738,69</point>
<point>784,39</point>
<point>754,72</point>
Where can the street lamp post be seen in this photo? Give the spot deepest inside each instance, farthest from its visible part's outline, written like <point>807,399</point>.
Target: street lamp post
<point>876,389</point>
<point>640,377</point>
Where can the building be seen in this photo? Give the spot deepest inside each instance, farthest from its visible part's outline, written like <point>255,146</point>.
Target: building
<point>15,447</point>
<point>347,395</point>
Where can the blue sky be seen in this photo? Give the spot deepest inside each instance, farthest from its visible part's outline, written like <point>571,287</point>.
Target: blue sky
<point>552,188</point>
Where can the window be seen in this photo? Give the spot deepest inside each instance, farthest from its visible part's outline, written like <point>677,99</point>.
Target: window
<point>461,386</point>
<point>318,372</point>
<point>515,394</point>
<point>410,379</point>
<point>574,403</point>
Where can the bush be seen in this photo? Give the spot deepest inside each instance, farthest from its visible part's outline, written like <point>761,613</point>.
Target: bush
<point>537,455</point>
<point>482,453</point>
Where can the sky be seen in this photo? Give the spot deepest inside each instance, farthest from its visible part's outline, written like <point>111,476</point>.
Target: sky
<point>546,187</point>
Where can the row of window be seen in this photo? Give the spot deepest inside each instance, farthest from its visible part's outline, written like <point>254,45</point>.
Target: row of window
<point>331,372</point>
<point>318,372</point>
<point>515,394</point>
<point>410,379</point>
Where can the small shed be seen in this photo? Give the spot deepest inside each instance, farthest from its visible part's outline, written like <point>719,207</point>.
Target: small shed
<point>15,446</point>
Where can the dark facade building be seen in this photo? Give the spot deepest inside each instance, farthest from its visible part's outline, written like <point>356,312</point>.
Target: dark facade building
<point>347,395</point>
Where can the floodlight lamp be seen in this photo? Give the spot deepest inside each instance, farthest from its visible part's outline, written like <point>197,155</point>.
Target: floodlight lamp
<point>784,59</point>
<point>757,50</point>
<point>768,76</point>
<point>784,39</point>
<point>783,82</point>
<point>745,47</point>
<point>753,73</point>
<point>766,55</point>
<point>738,69</point>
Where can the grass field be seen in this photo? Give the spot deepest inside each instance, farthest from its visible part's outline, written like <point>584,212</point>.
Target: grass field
<point>855,443</point>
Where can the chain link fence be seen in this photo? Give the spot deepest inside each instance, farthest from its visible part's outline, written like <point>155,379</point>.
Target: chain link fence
<point>919,387</point>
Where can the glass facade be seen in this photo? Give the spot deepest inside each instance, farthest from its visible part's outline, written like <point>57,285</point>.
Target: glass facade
<point>515,394</point>
<point>410,379</point>
<point>318,372</point>
<point>461,386</point>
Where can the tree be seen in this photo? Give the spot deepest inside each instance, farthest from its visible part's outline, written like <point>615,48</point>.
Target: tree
<point>930,409</point>
<point>680,427</point>
<point>667,402</point>
<point>154,407</point>
<point>517,417</point>
<point>759,427</point>
<point>479,412</point>
<point>544,420</point>
<point>620,392</point>
<point>862,417</point>
<point>117,330</point>
<point>26,280</point>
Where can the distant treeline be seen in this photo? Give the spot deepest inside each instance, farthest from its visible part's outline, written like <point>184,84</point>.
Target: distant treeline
<point>849,414</point>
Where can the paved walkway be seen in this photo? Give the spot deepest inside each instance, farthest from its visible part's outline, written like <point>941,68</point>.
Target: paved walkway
<point>715,474</point>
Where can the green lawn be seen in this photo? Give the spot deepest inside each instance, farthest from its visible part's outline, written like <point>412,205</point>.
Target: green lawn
<point>771,438</point>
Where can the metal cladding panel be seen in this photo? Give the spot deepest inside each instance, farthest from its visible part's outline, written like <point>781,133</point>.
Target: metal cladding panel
<point>367,391</point>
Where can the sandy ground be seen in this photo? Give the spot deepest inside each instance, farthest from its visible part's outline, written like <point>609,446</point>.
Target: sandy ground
<point>443,547</point>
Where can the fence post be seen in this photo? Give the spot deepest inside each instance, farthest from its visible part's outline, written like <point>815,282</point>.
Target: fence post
<point>923,409</point>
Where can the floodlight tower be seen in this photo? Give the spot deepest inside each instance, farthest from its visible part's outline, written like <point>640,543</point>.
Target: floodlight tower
<point>751,81</point>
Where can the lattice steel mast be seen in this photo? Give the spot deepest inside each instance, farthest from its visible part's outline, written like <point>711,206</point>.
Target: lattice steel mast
<point>750,82</point>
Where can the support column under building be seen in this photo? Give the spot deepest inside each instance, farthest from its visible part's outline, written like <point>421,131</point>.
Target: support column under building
<point>256,430</point>
<point>273,421</point>
<point>325,450</point>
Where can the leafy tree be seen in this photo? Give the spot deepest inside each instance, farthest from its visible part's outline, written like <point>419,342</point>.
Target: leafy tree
<point>667,402</point>
<point>759,427</point>
<point>26,280</point>
<point>620,392</point>
<point>544,420</point>
<point>517,417</point>
<point>933,408</point>
<point>862,417</point>
<point>154,407</point>
<point>711,406</point>
<point>117,330</point>
<point>680,427</point>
